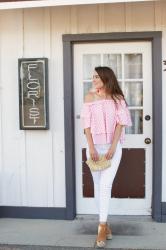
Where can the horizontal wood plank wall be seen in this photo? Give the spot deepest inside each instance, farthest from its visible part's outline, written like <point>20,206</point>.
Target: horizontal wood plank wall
<point>32,170</point>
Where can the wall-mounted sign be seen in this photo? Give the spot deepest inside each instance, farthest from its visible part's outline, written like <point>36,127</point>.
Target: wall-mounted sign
<point>33,93</point>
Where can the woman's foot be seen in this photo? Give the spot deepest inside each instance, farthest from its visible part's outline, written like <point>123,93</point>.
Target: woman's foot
<point>108,233</point>
<point>102,236</point>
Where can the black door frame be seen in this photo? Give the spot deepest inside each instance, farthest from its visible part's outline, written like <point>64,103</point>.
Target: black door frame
<point>68,41</point>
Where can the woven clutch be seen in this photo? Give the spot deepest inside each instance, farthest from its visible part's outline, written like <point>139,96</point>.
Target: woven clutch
<point>101,164</point>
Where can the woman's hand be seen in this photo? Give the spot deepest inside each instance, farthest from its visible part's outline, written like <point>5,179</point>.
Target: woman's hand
<point>110,152</point>
<point>94,154</point>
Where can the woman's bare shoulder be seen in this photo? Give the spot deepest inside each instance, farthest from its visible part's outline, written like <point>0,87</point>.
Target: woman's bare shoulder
<point>89,97</point>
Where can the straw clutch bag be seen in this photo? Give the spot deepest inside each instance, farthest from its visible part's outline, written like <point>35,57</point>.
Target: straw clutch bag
<point>101,164</point>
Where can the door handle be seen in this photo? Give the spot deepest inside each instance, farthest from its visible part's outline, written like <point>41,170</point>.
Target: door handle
<point>147,117</point>
<point>147,140</point>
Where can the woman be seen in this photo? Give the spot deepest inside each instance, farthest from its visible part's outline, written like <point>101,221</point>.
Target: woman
<point>104,115</point>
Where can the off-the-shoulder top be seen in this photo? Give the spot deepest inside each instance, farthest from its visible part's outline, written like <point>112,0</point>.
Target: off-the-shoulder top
<point>102,116</point>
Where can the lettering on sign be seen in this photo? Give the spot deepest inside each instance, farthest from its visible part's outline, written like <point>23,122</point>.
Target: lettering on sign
<point>33,93</point>
<point>164,64</point>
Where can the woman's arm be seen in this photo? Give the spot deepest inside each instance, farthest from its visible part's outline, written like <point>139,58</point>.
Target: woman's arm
<point>117,134</point>
<point>93,152</point>
<point>89,138</point>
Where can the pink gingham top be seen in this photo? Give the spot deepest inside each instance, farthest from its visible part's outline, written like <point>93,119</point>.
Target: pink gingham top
<point>102,116</point>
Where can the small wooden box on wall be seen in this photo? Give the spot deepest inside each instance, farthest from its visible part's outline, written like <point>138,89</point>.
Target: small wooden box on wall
<point>33,93</point>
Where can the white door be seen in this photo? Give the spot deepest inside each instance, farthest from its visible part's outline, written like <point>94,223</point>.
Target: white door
<point>132,64</point>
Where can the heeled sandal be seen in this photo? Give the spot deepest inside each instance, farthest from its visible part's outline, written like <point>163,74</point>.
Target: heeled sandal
<point>108,233</point>
<point>101,237</point>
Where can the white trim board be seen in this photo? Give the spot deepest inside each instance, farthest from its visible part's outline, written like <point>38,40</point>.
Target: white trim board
<point>47,3</point>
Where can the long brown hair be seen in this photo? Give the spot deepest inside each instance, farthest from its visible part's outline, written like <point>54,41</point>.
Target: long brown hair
<point>110,82</point>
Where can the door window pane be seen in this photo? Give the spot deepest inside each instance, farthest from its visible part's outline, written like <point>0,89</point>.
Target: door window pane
<point>134,93</point>
<point>90,61</point>
<point>120,84</point>
<point>114,61</point>
<point>87,87</point>
<point>137,120</point>
<point>133,66</point>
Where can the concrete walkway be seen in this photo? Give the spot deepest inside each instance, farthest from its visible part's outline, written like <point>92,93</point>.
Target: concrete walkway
<point>129,232</point>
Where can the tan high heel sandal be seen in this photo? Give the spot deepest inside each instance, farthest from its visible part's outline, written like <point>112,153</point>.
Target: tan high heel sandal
<point>108,233</point>
<point>101,237</point>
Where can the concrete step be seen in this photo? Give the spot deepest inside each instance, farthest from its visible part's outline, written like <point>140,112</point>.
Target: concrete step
<point>16,247</point>
<point>129,232</point>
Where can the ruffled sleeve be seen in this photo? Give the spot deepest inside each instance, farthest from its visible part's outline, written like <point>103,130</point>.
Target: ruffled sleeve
<point>123,116</point>
<point>85,116</point>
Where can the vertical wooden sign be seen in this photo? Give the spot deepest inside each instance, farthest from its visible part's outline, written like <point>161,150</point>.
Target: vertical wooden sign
<point>33,93</point>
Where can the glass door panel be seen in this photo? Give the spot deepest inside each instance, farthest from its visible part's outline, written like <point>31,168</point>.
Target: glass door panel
<point>87,87</point>
<point>129,72</point>
<point>133,66</point>
<point>137,127</point>
<point>89,62</point>
<point>133,92</point>
<point>114,61</point>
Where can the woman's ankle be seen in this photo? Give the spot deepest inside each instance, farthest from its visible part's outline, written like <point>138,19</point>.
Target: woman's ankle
<point>103,223</point>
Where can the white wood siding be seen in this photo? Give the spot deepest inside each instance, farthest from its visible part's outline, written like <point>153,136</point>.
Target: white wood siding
<point>32,168</point>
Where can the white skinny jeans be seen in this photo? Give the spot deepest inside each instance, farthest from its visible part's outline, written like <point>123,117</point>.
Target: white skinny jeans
<point>103,179</point>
